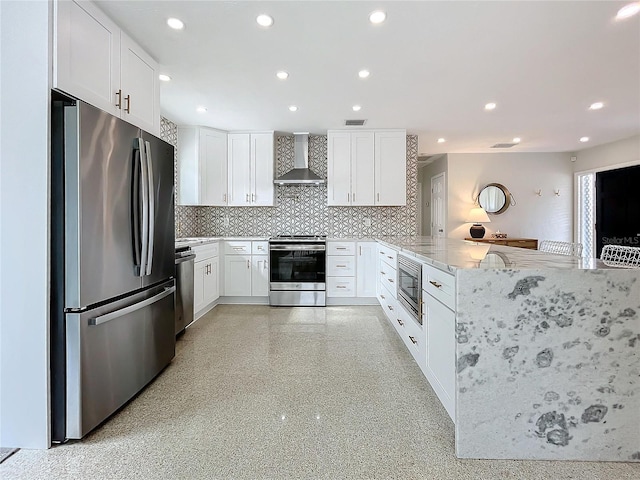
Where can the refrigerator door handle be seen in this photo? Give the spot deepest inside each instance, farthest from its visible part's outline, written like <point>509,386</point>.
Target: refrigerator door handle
<point>151,208</point>
<point>135,212</point>
<point>131,308</point>
<point>145,207</point>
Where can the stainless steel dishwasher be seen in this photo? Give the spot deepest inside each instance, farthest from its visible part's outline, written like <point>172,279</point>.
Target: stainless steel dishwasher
<point>184,287</point>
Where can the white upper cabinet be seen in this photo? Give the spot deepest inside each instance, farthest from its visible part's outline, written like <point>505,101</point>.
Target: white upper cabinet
<point>391,168</point>
<point>251,160</point>
<point>366,168</point>
<point>98,63</point>
<point>202,166</point>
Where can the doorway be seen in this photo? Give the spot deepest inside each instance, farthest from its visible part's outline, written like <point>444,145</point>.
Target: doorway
<point>438,206</point>
<point>617,207</point>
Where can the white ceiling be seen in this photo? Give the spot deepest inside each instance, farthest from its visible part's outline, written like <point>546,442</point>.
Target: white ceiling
<point>434,65</point>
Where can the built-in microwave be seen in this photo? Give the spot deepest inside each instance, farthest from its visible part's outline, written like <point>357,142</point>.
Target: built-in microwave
<point>410,286</point>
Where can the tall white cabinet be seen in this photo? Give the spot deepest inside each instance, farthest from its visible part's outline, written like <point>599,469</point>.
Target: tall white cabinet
<point>97,62</point>
<point>251,163</point>
<point>202,166</point>
<point>366,168</point>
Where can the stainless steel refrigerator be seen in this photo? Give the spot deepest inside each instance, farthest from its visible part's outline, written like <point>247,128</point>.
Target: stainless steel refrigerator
<point>112,251</point>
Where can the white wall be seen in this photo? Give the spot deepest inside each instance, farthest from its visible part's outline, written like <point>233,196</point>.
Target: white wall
<point>616,153</point>
<point>425,175</point>
<point>24,193</point>
<point>543,217</point>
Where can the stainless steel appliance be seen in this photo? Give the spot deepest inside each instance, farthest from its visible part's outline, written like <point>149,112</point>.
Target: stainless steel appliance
<point>410,286</point>
<point>112,251</point>
<point>184,287</point>
<point>297,270</point>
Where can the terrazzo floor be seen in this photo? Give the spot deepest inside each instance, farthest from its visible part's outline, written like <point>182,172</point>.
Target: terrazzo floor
<point>286,393</point>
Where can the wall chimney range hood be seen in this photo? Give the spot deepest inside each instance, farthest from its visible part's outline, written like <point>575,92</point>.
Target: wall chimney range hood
<point>300,174</point>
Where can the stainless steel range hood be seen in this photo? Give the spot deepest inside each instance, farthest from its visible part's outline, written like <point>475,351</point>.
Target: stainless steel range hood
<point>301,174</point>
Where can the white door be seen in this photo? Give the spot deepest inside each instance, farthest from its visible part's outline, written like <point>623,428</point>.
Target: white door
<point>391,168</point>
<point>438,206</point>
<point>237,275</point>
<point>140,89</point>
<point>86,57</point>
<point>260,276</point>
<point>362,169</point>
<point>339,168</point>
<point>262,155</point>
<point>366,271</point>
<point>199,274</point>
<point>213,167</point>
<point>239,148</point>
<point>211,281</point>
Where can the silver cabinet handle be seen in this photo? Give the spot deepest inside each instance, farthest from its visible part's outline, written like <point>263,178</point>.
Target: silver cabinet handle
<point>382,296</point>
<point>265,265</point>
<point>131,308</point>
<point>400,322</point>
<point>435,284</point>
<point>247,198</point>
<point>389,257</point>
<point>390,307</point>
<point>341,266</point>
<point>340,286</point>
<point>390,280</point>
<point>341,248</point>
<point>238,248</point>
<point>253,197</point>
<point>382,273</point>
<point>353,197</point>
<point>128,108</point>
<point>119,102</point>
<point>378,197</point>
<point>248,263</point>
<point>360,251</point>
<point>224,197</point>
<point>413,340</point>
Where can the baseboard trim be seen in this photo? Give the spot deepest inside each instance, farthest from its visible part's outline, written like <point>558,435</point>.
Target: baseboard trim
<point>352,301</point>
<point>244,300</point>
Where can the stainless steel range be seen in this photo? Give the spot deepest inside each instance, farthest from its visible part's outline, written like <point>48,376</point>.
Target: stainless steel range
<point>297,273</point>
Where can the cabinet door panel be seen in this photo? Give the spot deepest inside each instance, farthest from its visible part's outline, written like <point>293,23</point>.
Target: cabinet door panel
<point>262,155</point>
<point>239,147</point>
<point>260,276</point>
<point>362,169</point>
<point>366,271</point>
<point>213,167</point>
<point>237,275</point>
<point>139,83</point>
<point>339,168</point>
<point>391,168</point>
<point>199,273</point>
<point>86,58</point>
<point>211,281</point>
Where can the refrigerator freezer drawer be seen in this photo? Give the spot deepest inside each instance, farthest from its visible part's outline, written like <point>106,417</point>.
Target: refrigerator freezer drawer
<point>113,352</point>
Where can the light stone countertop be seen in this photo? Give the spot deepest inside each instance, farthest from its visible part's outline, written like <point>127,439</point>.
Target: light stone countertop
<point>195,241</point>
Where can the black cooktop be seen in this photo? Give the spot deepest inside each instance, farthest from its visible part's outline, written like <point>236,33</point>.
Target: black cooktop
<point>300,238</point>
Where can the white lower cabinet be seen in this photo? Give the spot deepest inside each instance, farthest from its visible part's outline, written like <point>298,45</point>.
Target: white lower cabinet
<point>440,325</point>
<point>366,260</point>
<point>246,275</point>
<point>206,277</point>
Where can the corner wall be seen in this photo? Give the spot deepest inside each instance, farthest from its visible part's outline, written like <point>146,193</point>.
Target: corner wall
<point>626,151</point>
<point>25,66</point>
<point>543,217</point>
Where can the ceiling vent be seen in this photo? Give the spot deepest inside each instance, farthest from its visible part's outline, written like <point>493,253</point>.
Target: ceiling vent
<point>503,145</point>
<point>354,123</point>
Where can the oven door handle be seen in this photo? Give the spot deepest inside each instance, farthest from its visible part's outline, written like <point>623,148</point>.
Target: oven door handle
<point>297,247</point>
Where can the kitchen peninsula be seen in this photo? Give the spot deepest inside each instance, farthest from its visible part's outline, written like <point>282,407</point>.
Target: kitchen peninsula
<point>546,351</point>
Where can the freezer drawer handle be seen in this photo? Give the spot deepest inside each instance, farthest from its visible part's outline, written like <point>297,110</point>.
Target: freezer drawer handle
<point>131,308</point>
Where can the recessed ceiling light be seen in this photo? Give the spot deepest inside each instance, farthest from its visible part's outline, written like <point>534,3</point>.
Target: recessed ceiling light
<point>164,78</point>
<point>264,20</point>
<point>175,23</point>
<point>377,17</point>
<point>293,108</point>
<point>596,106</point>
<point>356,108</point>
<point>201,109</point>
<point>490,106</point>
<point>584,139</point>
<point>516,139</point>
<point>364,73</point>
<point>628,11</point>
<point>441,140</point>
<point>282,75</point>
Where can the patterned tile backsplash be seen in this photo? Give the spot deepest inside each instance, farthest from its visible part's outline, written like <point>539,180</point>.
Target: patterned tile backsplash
<point>300,209</point>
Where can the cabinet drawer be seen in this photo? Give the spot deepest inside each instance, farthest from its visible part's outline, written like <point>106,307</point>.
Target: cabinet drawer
<point>388,303</point>
<point>341,248</point>
<point>260,248</point>
<point>388,256</point>
<point>388,277</point>
<point>341,266</point>
<point>413,336</point>
<point>341,287</point>
<point>205,251</point>
<point>233,247</point>
<point>439,284</point>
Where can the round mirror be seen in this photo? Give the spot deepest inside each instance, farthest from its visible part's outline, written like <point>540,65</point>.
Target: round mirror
<point>494,198</point>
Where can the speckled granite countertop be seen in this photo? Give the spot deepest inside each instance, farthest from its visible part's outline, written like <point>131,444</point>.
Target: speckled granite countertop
<point>452,254</point>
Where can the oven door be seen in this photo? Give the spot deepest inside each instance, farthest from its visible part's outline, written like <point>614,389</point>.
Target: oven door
<point>297,266</point>
<point>410,287</point>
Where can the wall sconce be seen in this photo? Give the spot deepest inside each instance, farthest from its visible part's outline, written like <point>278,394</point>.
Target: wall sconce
<point>538,192</point>
<point>557,192</point>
